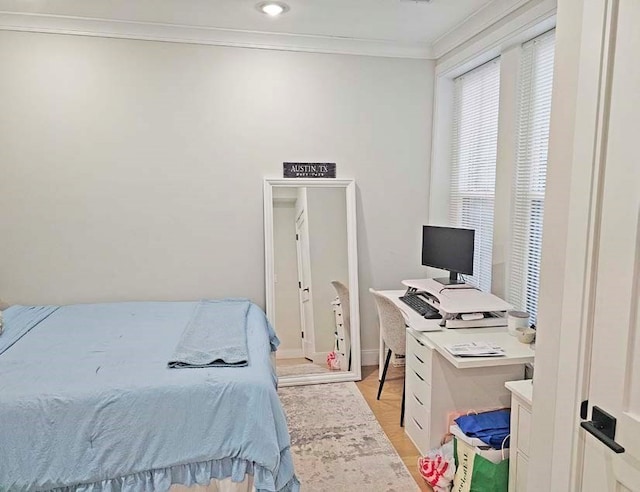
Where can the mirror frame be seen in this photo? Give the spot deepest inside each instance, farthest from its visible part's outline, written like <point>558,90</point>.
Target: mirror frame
<point>355,374</point>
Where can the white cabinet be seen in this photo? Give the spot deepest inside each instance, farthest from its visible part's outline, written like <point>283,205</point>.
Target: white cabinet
<point>341,345</point>
<point>521,393</point>
<point>418,363</point>
<point>436,390</point>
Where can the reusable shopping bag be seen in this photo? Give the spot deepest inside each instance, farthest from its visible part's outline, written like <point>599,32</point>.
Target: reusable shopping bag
<point>474,473</point>
<point>438,467</point>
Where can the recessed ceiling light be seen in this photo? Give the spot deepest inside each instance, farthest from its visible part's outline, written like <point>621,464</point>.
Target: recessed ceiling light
<point>272,9</point>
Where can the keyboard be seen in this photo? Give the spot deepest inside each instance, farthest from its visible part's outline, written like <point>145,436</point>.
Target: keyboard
<point>420,306</point>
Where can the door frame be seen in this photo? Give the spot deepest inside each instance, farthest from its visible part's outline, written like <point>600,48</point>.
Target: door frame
<point>564,349</point>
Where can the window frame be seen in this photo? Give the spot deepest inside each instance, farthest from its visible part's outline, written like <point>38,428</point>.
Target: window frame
<point>447,69</point>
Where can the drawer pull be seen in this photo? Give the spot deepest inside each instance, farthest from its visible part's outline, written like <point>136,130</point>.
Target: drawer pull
<point>419,377</point>
<point>418,400</point>
<point>419,359</point>
<point>416,422</point>
<point>419,342</point>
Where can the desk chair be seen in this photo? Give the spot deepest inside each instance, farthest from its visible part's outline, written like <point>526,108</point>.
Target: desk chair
<point>394,334</point>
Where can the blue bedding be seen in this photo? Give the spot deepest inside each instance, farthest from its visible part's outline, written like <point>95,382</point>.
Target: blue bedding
<point>216,335</point>
<point>87,403</point>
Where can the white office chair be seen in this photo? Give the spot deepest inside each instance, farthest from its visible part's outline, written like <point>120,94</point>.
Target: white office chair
<point>394,335</point>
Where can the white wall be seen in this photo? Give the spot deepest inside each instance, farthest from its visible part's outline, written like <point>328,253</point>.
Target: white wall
<point>566,174</point>
<point>133,169</point>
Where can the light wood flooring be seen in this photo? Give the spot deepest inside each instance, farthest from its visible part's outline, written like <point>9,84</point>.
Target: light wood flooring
<point>387,412</point>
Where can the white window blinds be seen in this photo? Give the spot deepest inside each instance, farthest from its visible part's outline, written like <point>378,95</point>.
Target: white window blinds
<point>527,206</point>
<point>473,164</point>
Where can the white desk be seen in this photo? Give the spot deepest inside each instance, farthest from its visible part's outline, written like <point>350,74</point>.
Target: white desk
<point>517,353</point>
<point>439,384</point>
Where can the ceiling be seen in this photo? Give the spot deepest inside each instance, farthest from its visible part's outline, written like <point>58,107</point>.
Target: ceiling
<point>401,22</point>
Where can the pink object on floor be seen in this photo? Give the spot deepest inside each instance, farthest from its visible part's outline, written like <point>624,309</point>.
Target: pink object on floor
<point>332,361</point>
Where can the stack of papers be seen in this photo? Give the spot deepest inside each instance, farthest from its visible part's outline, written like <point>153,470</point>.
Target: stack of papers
<point>476,349</point>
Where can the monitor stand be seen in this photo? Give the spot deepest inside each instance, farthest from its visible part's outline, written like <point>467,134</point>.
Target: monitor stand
<point>450,281</point>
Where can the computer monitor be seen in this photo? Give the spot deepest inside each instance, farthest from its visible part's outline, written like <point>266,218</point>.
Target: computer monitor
<point>448,248</point>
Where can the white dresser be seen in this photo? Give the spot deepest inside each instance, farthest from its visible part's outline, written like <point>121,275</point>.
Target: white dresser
<point>341,346</point>
<point>521,394</point>
<point>437,387</point>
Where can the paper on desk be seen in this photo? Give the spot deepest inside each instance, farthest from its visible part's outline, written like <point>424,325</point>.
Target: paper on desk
<point>475,349</point>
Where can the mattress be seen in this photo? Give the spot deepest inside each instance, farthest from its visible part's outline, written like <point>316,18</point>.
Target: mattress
<point>87,403</point>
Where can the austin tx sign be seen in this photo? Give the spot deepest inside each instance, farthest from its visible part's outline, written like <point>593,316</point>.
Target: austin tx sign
<point>309,169</point>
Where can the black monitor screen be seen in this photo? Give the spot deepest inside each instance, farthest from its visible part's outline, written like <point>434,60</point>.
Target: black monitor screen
<point>448,248</point>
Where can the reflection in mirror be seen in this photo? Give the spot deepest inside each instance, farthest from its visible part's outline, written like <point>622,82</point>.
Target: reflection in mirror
<point>308,294</point>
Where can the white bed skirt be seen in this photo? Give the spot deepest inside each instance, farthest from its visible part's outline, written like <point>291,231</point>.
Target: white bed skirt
<point>225,485</point>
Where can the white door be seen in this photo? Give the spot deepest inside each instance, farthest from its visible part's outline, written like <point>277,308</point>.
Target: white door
<point>304,286</point>
<point>614,376</point>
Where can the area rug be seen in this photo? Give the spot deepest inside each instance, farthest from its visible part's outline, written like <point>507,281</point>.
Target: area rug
<point>301,369</point>
<point>337,443</point>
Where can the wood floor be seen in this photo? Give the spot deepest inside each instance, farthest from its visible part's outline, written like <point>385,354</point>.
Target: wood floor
<point>387,411</point>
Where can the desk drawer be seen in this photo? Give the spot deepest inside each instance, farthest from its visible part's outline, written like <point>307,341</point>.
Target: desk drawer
<point>337,312</point>
<point>524,429</point>
<point>418,389</point>
<point>421,393</point>
<point>419,348</point>
<point>522,470</point>
<point>419,358</point>
<point>416,423</point>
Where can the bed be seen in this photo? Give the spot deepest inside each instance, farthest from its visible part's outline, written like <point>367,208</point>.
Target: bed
<point>87,402</point>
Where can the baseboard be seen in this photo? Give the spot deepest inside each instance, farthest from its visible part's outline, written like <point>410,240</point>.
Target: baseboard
<point>369,357</point>
<point>289,353</point>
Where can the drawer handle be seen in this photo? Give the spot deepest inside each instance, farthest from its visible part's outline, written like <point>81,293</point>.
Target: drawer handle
<point>419,359</point>
<point>419,342</point>
<point>416,422</point>
<point>418,400</point>
<point>419,377</point>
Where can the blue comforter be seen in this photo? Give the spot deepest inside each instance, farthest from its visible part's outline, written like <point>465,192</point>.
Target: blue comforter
<point>87,403</point>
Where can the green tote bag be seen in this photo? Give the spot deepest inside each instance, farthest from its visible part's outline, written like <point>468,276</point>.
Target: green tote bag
<point>475,473</point>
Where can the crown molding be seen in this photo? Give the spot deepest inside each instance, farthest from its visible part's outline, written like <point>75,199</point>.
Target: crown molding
<point>532,19</point>
<point>480,20</point>
<point>174,33</point>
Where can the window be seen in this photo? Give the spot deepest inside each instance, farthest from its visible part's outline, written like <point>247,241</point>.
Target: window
<point>473,164</point>
<point>527,209</point>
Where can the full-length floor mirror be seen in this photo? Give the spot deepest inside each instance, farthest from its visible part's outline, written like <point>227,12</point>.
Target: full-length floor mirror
<point>312,278</point>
